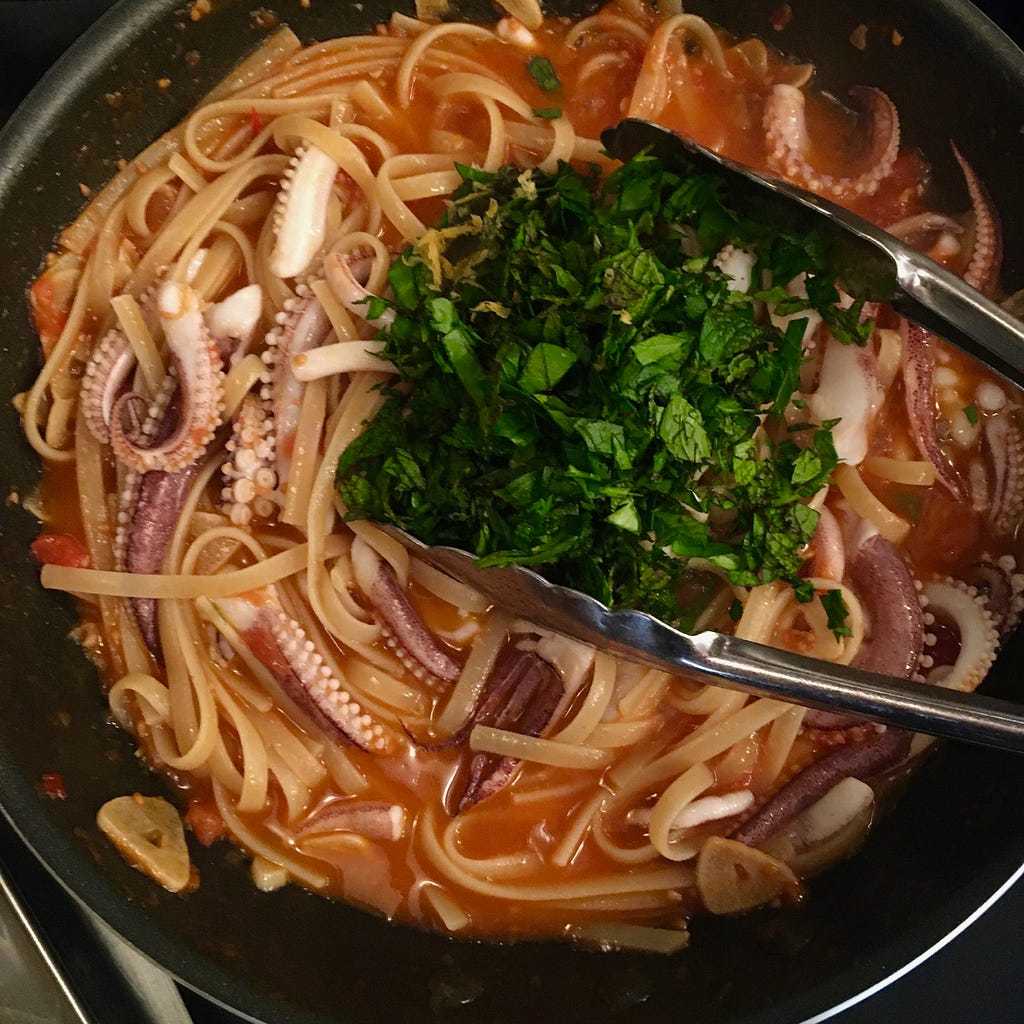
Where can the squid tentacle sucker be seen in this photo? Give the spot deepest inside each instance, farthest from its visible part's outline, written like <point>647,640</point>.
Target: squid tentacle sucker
<point>1001,584</point>
<point>250,482</point>
<point>919,394</point>
<point>977,638</point>
<point>986,256</point>
<point>301,213</point>
<point>301,326</point>
<point>281,646</point>
<point>106,376</point>
<point>200,391</point>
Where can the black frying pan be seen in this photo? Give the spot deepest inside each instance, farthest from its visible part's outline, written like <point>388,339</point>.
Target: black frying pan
<point>957,836</point>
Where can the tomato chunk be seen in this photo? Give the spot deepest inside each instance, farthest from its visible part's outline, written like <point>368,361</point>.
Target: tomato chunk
<point>61,549</point>
<point>48,317</point>
<point>51,785</point>
<point>203,818</point>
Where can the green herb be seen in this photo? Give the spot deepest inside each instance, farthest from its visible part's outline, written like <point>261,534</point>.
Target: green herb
<point>542,71</point>
<point>582,393</point>
<point>837,612</point>
<point>971,412</point>
<point>547,113</point>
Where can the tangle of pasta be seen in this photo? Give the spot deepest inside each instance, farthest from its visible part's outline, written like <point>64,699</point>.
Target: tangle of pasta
<point>208,358</point>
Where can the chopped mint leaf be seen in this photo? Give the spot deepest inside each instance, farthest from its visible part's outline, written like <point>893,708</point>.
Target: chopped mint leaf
<point>581,390</point>
<point>837,612</point>
<point>542,71</point>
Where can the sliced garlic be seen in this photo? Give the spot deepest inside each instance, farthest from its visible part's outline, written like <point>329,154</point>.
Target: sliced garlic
<point>147,832</point>
<point>733,877</point>
<point>266,875</point>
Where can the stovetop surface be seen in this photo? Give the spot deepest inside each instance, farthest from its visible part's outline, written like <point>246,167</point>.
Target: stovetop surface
<point>977,978</point>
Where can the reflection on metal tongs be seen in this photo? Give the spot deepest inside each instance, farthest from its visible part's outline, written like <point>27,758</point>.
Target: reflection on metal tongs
<point>876,266</point>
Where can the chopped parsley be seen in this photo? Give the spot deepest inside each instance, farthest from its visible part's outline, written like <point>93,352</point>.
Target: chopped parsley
<point>836,610</point>
<point>582,391</point>
<point>542,71</point>
<point>971,412</point>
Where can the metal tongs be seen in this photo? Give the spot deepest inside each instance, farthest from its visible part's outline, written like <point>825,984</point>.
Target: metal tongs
<point>878,267</point>
<point>729,661</point>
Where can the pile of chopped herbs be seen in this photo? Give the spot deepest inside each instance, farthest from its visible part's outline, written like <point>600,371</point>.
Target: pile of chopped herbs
<point>582,391</point>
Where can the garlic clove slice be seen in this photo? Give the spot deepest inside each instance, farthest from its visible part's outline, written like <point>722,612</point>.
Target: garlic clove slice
<point>733,877</point>
<point>147,831</point>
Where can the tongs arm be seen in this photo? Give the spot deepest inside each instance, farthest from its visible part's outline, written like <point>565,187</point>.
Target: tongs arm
<point>873,263</point>
<point>732,662</point>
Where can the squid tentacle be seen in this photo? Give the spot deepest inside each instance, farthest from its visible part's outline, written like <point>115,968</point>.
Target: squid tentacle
<point>894,644</point>
<point>918,389</point>
<point>986,255</point>
<point>200,377</point>
<point>403,629</point>
<point>786,126</point>
<point>1005,444</point>
<point>523,695</point>
<point>250,482</point>
<point>106,376</point>
<point>280,644</point>
<point>978,637</point>
<point>301,326</point>
<point>301,213</point>
<point>998,581</point>
<point>878,753</point>
<point>156,498</point>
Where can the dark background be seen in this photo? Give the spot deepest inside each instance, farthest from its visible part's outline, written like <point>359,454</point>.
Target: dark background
<point>976,979</point>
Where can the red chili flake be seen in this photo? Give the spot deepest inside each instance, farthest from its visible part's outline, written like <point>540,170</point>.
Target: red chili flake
<point>51,785</point>
<point>780,17</point>
<point>257,124</point>
<point>61,549</point>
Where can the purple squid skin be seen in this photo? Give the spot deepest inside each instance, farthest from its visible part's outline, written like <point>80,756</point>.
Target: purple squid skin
<point>861,760</point>
<point>919,391</point>
<point>879,574</point>
<point>994,584</point>
<point>395,612</point>
<point>896,641</point>
<point>522,695</point>
<point>815,719</point>
<point>157,505</point>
